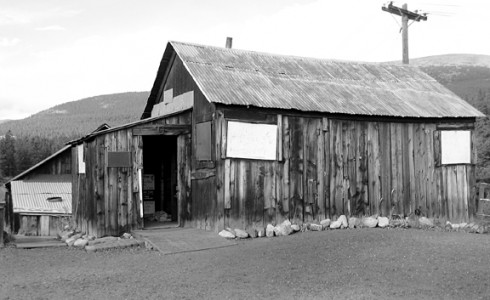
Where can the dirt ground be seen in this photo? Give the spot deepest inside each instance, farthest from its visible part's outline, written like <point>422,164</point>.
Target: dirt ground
<point>349,264</point>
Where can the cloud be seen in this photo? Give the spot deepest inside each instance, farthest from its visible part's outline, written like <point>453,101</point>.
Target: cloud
<point>12,16</point>
<point>51,28</point>
<point>9,42</point>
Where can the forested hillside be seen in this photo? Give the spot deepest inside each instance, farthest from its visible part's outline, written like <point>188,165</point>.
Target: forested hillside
<point>78,118</point>
<point>25,142</point>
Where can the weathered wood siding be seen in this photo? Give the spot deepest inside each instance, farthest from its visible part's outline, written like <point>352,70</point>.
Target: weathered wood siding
<point>106,199</point>
<point>329,167</point>
<point>59,165</point>
<point>40,225</point>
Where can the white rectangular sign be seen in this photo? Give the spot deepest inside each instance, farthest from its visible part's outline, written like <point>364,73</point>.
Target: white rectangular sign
<point>455,147</point>
<point>253,141</point>
<point>81,162</point>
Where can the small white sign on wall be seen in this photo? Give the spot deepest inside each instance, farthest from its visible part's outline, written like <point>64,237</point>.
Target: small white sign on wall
<point>455,147</point>
<point>252,141</point>
<point>81,162</point>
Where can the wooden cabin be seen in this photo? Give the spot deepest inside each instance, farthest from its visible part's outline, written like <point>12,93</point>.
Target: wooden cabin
<point>233,138</point>
<point>39,199</point>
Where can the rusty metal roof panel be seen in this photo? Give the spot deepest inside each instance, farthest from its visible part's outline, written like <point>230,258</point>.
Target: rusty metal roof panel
<point>238,77</point>
<point>30,197</point>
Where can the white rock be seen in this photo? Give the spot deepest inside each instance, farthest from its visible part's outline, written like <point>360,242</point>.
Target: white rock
<point>463,225</point>
<point>80,243</point>
<point>283,229</point>
<point>226,234</point>
<point>241,233</point>
<point>343,221</point>
<point>66,235</point>
<point>354,222</point>
<point>261,233</point>
<point>316,227</point>
<point>335,224</point>
<point>126,235</point>
<point>269,230</point>
<point>295,227</point>
<point>370,222</point>
<point>455,226</point>
<point>383,222</point>
<point>325,223</point>
<point>71,240</point>
<point>426,222</point>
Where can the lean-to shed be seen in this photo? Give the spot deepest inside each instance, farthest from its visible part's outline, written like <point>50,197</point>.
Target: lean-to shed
<point>39,199</point>
<point>233,138</point>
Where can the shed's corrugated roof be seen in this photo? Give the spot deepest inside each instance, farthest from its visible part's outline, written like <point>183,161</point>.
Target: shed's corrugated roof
<point>238,77</point>
<point>30,196</point>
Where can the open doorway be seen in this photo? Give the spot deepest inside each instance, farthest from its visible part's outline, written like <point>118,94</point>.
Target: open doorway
<point>160,208</point>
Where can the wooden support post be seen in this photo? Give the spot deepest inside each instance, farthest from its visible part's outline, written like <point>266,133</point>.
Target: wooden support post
<point>405,36</point>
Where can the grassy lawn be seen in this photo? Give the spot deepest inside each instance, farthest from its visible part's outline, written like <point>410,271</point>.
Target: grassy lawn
<point>348,264</point>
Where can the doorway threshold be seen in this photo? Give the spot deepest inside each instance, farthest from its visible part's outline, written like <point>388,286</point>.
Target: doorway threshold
<point>160,225</point>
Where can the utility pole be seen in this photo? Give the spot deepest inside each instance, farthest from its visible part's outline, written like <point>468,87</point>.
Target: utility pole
<point>406,15</point>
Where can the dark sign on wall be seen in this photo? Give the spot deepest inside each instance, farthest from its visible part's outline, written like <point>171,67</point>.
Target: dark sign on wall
<point>119,159</point>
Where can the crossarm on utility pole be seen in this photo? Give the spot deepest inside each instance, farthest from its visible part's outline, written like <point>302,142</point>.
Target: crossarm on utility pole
<point>406,15</point>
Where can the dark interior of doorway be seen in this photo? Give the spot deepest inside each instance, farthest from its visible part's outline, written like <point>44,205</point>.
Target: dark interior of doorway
<point>160,181</point>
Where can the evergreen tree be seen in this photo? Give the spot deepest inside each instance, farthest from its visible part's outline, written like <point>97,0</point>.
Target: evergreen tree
<point>7,155</point>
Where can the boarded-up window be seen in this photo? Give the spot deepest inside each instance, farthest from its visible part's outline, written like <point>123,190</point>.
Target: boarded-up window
<point>119,159</point>
<point>203,141</point>
<point>253,141</point>
<point>455,147</point>
<point>81,160</point>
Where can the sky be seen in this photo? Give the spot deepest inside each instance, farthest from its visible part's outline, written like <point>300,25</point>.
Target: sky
<point>55,51</point>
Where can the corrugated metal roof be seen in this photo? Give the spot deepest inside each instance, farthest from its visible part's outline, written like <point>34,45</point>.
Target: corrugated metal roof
<point>238,77</point>
<point>30,196</point>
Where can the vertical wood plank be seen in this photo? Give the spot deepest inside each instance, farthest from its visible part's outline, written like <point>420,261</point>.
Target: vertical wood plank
<point>471,175</point>
<point>99,193</point>
<point>227,183</point>
<point>361,169</point>
<point>431,186</point>
<point>411,167</point>
<point>279,138</point>
<point>311,134</point>
<point>286,169</point>
<point>320,154</point>
<point>129,184</point>
<point>465,192</point>
<point>327,173</point>
<point>406,169</point>
<point>296,170</point>
<point>385,169</point>
<point>221,174</point>
<point>44,225</point>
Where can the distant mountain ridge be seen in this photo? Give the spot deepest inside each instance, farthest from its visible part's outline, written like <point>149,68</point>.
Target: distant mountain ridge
<point>453,59</point>
<point>476,60</point>
<point>77,118</point>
